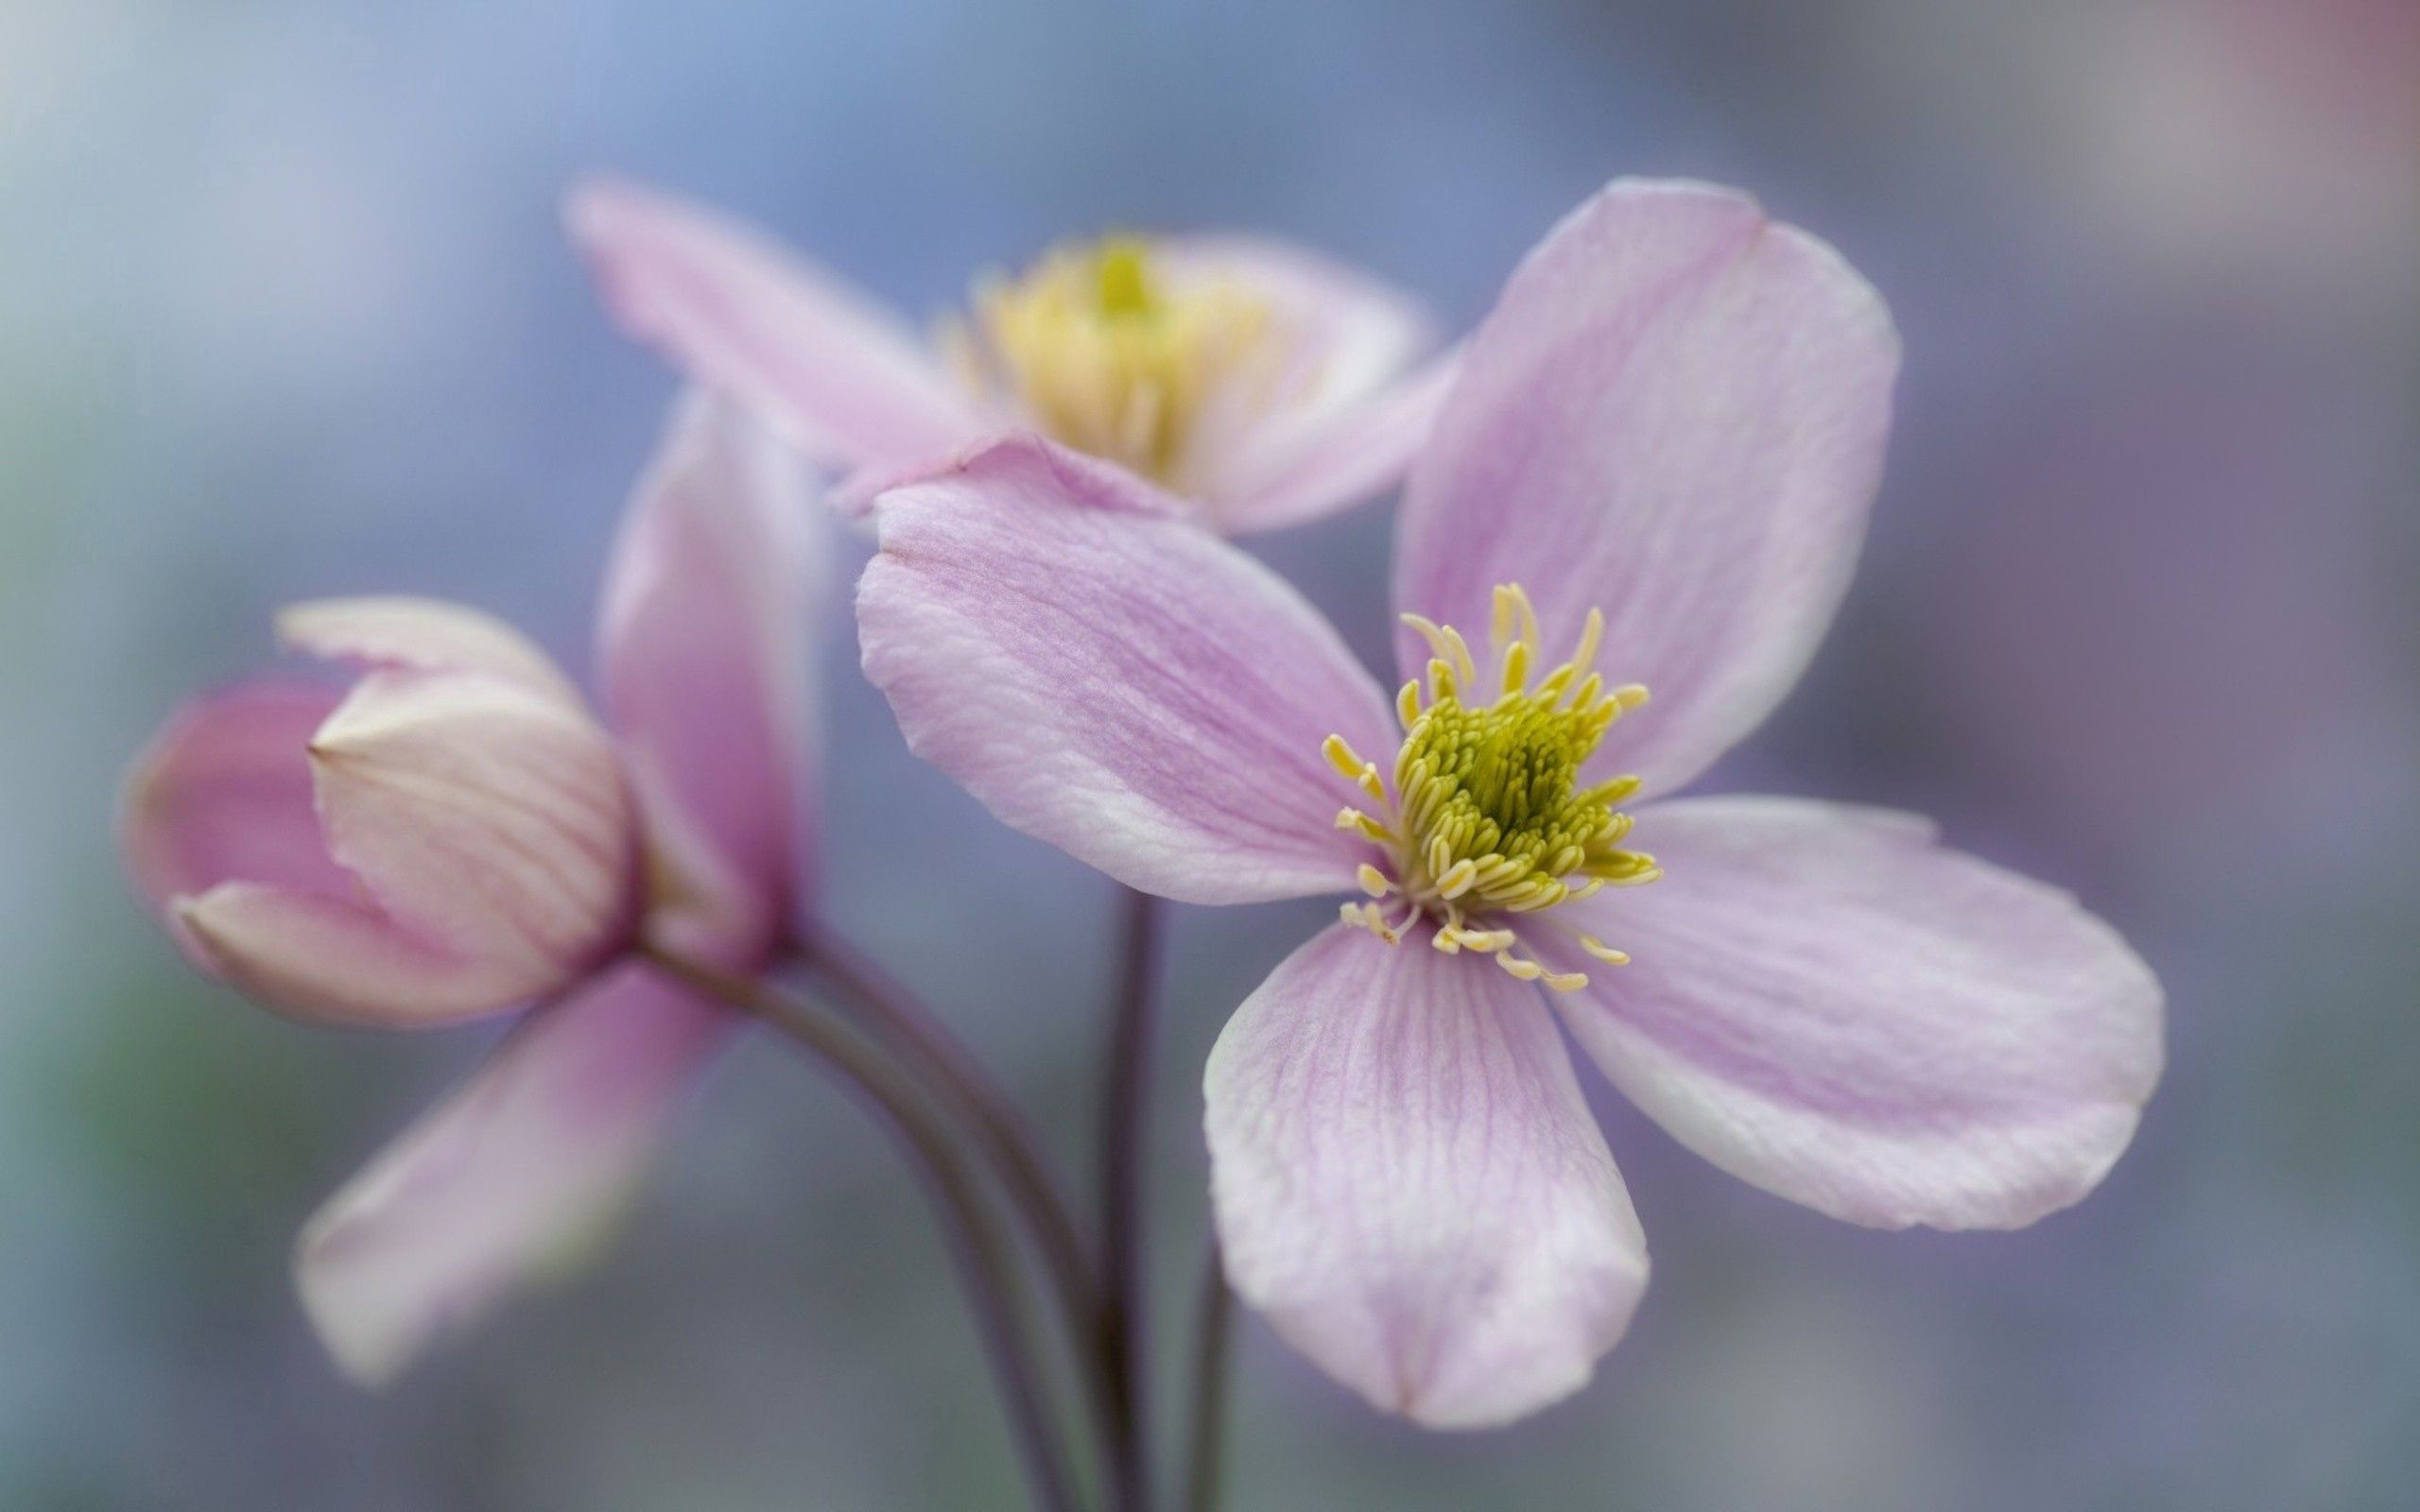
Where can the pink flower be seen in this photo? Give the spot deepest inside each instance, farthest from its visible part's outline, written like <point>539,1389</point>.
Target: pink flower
<point>456,835</point>
<point>1258,380</point>
<point>1659,454</point>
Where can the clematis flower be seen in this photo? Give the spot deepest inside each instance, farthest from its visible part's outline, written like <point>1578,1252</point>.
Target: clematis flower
<point>1258,380</point>
<point>457,836</point>
<point>1655,467</point>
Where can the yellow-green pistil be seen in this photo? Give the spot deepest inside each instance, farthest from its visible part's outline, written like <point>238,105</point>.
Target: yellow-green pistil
<point>1485,819</point>
<point>1112,357</point>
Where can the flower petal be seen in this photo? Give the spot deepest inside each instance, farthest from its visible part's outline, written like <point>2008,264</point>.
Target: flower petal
<point>1675,414</point>
<point>705,659</point>
<point>511,1178</point>
<point>333,959</point>
<point>224,793</point>
<point>1337,422</point>
<point>1827,1005</point>
<point>424,635</point>
<point>1347,334</point>
<point>1292,475</point>
<point>489,820</point>
<point>1408,1182</point>
<point>1114,680</point>
<point>831,373</point>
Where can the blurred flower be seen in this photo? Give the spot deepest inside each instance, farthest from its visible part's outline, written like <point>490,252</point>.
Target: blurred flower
<point>1668,435</point>
<point>477,844</point>
<point>449,836</point>
<point>1256,379</point>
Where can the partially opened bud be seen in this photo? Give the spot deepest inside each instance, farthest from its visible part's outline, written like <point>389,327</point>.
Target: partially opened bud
<point>451,838</point>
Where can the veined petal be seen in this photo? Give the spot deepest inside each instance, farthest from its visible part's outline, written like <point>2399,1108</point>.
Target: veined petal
<point>1409,1184</point>
<point>424,634</point>
<point>832,372</point>
<point>1292,473</point>
<point>516,1176</point>
<point>704,651</point>
<point>489,820</point>
<point>1114,680</point>
<point>1676,414</point>
<point>224,793</point>
<point>1826,1003</point>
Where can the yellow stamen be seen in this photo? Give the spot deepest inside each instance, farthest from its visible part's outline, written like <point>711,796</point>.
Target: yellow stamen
<point>1110,355</point>
<point>1485,821</point>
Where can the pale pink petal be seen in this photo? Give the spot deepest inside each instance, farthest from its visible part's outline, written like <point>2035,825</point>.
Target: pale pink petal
<point>1676,414</point>
<point>487,818</point>
<point>510,1180</point>
<point>1292,475</point>
<point>1112,680</point>
<point>1409,1184</point>
<point>1333,421</point>
<point>224,793</point>
<point>424,635</point>
<point>333,959</point>
<point>831,373</point>
<point>1345,333</point>
<point>704,655</point>
<point>1826,1003</point>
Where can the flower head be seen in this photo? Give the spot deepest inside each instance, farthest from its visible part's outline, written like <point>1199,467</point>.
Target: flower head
<point>1652,471</point>
<point>459,836</point>
<point>1260,383</point>
<point>448,837</point>
<point>1486,819</point>
<point>1104,353</point>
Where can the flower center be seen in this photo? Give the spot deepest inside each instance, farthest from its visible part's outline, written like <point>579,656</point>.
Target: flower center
<point>1096,346</point>
<point>1484,821</point>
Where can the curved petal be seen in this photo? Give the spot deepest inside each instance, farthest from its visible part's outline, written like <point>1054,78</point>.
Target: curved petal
<point>1114,680</point>
<point>1292,475</point>
<point>1827,1005</point>
<point>1408,1182</point>
<point>224,793</point>
<point>424,634</point>
<point>1347,335</point>
<point>513,1177</point>
<point>831,373</point>
<point>333,959</point>
<point>1675,414</point>
<point>490,820</point>
<point>1340,422</point>
<point>704,655</point>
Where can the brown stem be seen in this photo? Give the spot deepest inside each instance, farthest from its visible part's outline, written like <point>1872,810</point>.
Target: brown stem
<point>984,1250</point>
<point>1125,1144</point>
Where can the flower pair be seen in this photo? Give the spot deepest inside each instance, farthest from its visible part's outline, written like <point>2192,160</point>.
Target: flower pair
<point>456,834</point>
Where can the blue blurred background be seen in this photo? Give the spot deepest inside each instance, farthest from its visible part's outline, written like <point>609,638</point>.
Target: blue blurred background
<point>285,310</point>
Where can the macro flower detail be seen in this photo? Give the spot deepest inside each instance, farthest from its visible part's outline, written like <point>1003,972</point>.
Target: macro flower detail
<point>1485,819</point>
<point>464,782</point>
<point>449,836</point>
<point>1259,381</point>
<point>1107,355</point>
<point>1659,451</point>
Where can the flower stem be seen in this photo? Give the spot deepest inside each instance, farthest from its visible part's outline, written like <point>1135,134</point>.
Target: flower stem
<point>1210,1354</point>
<point>983,1248</point>
<point>912,1031</point>
<point>1125,1142</point>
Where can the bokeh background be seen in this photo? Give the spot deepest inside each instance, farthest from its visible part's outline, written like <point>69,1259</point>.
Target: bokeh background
<point>285,310</point>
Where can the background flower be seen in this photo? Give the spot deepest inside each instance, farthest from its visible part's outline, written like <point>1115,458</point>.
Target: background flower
<point>289,314</point>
